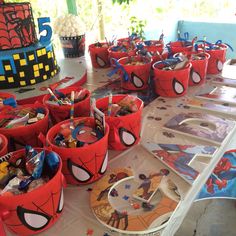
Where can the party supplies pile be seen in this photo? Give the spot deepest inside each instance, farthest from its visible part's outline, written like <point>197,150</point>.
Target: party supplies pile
<point>60,98</point>
<point>81,135</point>
<point>124,107</point>
<point>22,174</point>
<point>14,118</point>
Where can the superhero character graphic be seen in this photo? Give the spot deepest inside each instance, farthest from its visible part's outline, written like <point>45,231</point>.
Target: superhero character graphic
<point>19,28</point>
<point>221,183</point>
<point>223,172</point>
<point>178,157</point>
<point>179,161</point>
<point>113,179</point>
<point>149,185</point>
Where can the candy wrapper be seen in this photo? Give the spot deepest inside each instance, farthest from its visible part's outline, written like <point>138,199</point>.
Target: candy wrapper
<point>34,165</point>
<point>30,152</point>
<point>21,174</point>
<point>12,186</point>
<point>37,183</point>
<point>52,161</point>
<point>81,135</point>
<point>129,102</point>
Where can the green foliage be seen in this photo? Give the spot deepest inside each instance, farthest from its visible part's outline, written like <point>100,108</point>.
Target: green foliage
<point>121,1</point>
<point>137,26</point>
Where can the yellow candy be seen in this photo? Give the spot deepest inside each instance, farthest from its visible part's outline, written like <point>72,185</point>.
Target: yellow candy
<point>3,169</point>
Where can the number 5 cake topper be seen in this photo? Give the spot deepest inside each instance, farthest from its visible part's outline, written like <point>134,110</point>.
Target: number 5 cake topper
<point>44,25</point>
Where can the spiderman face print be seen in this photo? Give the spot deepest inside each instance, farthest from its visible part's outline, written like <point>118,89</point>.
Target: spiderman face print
<point>172,83</point>
<point>124,132</point>
<point>86,170</point>
<point>85,164</point>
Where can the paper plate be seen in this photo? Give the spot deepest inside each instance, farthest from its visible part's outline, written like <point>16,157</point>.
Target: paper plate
<point>113,204</point>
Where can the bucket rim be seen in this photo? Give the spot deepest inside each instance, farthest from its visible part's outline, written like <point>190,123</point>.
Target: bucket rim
<point>46,97</point>
<point>56,128</point>
<point>187,66</point>
<point>18,129</point>
<point>135,57</point>
<point>123,96</point>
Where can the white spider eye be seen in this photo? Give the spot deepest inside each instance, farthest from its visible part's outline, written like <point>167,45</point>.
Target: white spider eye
<point>61,202</point>
<point>104,164</point>
<point>78,172</point>
<point>32,219</point>
<point>126,137</point>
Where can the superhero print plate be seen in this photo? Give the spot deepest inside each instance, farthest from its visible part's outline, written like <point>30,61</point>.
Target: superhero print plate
<point>114,205</point>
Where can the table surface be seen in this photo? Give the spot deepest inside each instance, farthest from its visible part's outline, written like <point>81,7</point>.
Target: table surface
<point>77,217</point>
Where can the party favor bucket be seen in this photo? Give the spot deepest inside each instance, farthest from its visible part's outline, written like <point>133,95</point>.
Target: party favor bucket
<point>18,137</point>
<point>73,46</point>
<point>136,72</point>
<point>154,46</point>
<point>171,83</point>
<point>198,71</point>
<point>99,55</point>
<point>179,46</point>
<point>59,113</point>
<point>217,59</point>
<point>124,130</point>
<point>81,165</point>
<point>35,211</point>
<point>113,54</point>
<point>199,61</point>
<point>3,145</point>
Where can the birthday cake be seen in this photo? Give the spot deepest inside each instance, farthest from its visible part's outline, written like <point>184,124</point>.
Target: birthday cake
<point>24,60</point>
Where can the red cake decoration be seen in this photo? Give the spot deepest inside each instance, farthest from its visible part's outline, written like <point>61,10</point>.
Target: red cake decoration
<point>17,27</point>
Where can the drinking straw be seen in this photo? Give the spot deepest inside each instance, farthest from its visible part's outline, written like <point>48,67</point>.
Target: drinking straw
<point>54,96</point>
<point>72,98</point>
<point>109,104</point>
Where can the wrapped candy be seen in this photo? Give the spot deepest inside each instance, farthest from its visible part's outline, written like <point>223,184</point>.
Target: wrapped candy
<point>129,102</point>
<point>12,184</point>
<point>4,172</point>
<point>52,161</point>
<point>34,166</point>
<point>37,183</point>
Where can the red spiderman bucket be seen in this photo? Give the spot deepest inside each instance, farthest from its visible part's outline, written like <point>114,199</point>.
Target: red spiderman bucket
<point>154,46</point>
<point>199,61</point>
<point>124,129</point>
<point>81,165</point>
<point>180,46</point>
<point>7,99</point>
<point>99,55</point>
<point>59,112</point>
<point>117,52</point>
<point>3,145</point>
<point>23,125</point>
<point>36,210</point>
<point>217,59</point>
<point>135,72</point>
<point>171,83</point>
